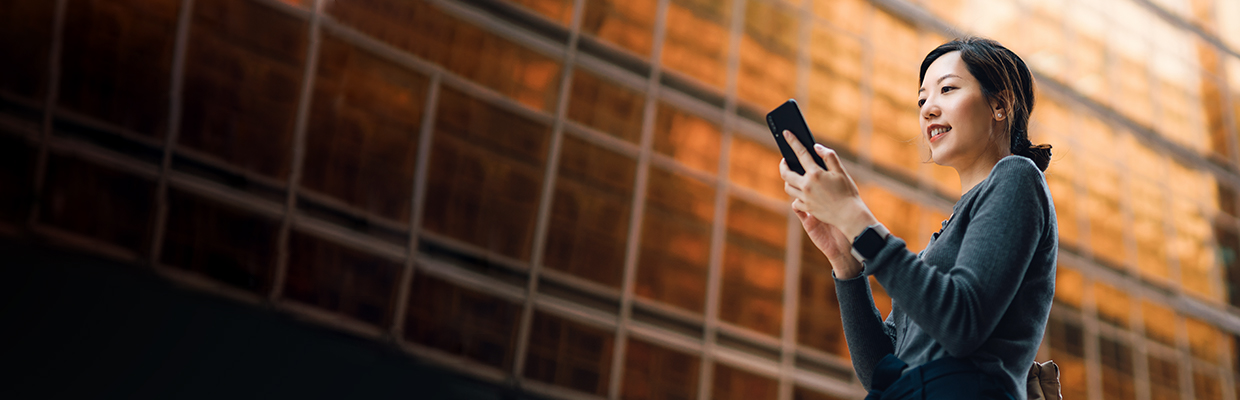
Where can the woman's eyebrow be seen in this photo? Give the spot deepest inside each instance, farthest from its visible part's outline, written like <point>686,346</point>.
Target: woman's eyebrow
<point>941,78</point>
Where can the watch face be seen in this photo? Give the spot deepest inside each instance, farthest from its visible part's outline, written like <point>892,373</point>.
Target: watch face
<point>869,243</point>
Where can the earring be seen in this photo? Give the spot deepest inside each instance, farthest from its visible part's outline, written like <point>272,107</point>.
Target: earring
<point>999,115</point>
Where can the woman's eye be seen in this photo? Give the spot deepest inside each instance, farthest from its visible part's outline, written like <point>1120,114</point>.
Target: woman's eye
<point>920,102</point>
<point>946,88</point>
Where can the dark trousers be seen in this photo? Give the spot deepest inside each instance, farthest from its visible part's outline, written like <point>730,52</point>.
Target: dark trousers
<point>945,378</point>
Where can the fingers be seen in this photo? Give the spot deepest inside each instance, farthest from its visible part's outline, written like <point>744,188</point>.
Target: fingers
<point>789,177</point>
<point>807,161</point>
<point>829,157</point>
<point>793,191</point>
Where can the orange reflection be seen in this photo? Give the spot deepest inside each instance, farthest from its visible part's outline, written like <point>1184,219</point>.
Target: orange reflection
<point>627,23</point>
<point>1113,305</point>
<point>1069,286</point>
<point>1159,322</point>
<point>691,140</point>
<point>697,40</point>
<point>755,166</point>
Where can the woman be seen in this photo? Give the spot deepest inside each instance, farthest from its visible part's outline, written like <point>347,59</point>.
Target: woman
<point>968,312</point>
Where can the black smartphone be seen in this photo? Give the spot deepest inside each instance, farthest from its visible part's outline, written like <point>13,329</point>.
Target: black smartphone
<point>788,117</point>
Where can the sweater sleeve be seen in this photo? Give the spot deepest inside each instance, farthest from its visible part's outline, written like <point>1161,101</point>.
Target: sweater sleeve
<point>869,337</point>
<point>960,305</point>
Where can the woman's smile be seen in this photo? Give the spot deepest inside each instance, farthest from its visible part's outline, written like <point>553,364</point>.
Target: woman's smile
<point>936,131</point>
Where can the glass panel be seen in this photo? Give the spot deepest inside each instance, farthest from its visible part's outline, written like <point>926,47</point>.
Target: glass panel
<point>1067,348</point>
<point>685,137</point>
<point>653,372</point>
<point>675,247</point>
<point>893,110</point>
<point>590,212</point>
<point>849,15</point>
<point>1203,340</point>
<point>627,23</point>
<point>242,80</point>
<point>609,107</point>
<point>818,319</point>
<point>1117,380</point>
<point>1206,385</point>
<point>560,11</point>
<point>738,384</point>
<point>418,27</point>
<point>485,195</point>
<point>339,279</point>
<point>25,38</point>
<point>802,393</point>
<point>117,61</point>
<point>1159,322</point>
<point>1113,304</point>
<point>362,139</point>
<point>226,244</point>
<point>697,40</point>
<point>1088,57</point>
<point>755,166</point>
<point>97,202</point>
<point>768,71</point>
<point>569,354</point>
<point>1164,378</point>
<point>833,109</point>
<point>1106,221</point>
<point>900,216</point>
<point>753,268</point>
<point>1044,42</point>
<point>1133,83</point>
<point>1191,242</point>
<point>17,164</point>
<point>462,321</point>
<point>1069,286</point>
<point>1149,208</point>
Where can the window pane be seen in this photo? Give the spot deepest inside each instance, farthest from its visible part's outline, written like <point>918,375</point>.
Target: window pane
<point>1117,380</point>
<point>687,138</point>
<point>801,393</point>
<point>1149,208</point>
<point>1206,385</point>
<point>675,248</point>
<point>97,202</point>
<point>1064,193</point>
<point>226,244</point>
<point>1133,83</point>
<point>426,31</point>
<point>850,15</point>
<point>697,40</point>
<point>461,321</point>
<point>25,35</point>
<point>1106,221</point>
<point>652,372</point>
<point>626,23</point>
<point>1069,286</point>
<point>895,139</point>
<point>362,138</point>
<point>753,268</point>
<point>818,319</point>
<point>768,71</point>
<point>1203,340</point>
<point>1067,348</point>
<point>1164,378</point>
<point>488,194</point>
<point>737,384</point>
<point>609,107</point>
<point>900,216</point>
<point>833,109</point>
<point>1159,322</point>
<point>339,279</point>
<point>17,165</point>
<point>590,213</point>
<point>117,60</point>
<point>569,354</point>
<point>755,166</point>
<point>1113,305</point>
<point>560,11</point>
<point>242,80</point>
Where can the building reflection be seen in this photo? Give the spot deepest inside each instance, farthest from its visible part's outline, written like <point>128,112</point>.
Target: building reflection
<point>581,196</point>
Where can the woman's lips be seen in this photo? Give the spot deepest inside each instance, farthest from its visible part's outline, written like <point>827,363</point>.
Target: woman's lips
<point>935,137</point>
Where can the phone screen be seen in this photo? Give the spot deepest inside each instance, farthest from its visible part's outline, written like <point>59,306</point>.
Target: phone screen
<point>788,117</point>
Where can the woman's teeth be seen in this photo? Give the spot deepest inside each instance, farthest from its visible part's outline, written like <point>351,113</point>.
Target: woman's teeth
<point>938,131</point>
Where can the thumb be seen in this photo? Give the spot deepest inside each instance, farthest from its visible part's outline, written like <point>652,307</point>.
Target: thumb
<point>830,158</point>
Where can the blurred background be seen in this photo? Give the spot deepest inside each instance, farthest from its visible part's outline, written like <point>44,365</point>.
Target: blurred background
<point>572,198</point>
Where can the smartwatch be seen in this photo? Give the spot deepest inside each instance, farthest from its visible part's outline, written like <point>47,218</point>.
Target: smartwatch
<point>867,245</point>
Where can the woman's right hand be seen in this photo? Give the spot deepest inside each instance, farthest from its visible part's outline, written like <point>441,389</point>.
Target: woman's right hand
<point>832,242</point>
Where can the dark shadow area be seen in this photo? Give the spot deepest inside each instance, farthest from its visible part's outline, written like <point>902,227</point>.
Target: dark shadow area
<point>76,326</point>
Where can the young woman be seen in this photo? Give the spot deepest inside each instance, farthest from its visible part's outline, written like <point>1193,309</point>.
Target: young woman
<point>968,312</point>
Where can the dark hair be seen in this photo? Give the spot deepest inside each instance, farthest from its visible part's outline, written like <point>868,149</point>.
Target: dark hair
<point>1005,78</point>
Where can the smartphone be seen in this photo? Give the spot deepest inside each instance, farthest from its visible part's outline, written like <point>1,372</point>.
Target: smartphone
<point>788,117</point>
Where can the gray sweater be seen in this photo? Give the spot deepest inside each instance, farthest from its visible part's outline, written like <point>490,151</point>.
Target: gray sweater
<point>981,290</point>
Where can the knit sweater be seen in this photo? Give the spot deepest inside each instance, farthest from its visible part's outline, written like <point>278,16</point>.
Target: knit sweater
<point>981,290</point>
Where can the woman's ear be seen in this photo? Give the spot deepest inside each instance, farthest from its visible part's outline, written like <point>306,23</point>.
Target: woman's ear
<point>999,105</point>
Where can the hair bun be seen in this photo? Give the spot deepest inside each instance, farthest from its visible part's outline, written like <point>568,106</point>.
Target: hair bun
<point>1039,153</point>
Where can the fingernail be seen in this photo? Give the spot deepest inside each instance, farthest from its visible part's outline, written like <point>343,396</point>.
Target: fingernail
<point>786,133</point>
<point>819,146</point>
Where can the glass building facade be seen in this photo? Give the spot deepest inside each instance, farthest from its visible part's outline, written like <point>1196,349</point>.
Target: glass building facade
<point>579,196</point>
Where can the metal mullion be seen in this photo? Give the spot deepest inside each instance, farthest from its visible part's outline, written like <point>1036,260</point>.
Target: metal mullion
<point>101,157</point>
<point>208,189</point>
<point>106,127</point>
<point>865,123</point>
<point>659,336</point>
<point>1136,334</point>
<point>1090,325</point>
<point>670,164</point>
<point>299,151</point>
<point>828,384</point>
<point>468,279</point>
<point>792,275</point>
<point>547,191</point>
<point>340,206</point>
<point>690,104</point>
<point>461,246</point>
<point>377,47</point>
<point>602,139</point>
<point>420,172</point>
<point>748,362</point>
<point>218,163</point>
<point>757,198</point>
<point>576,313</point>
<point>49,106</point>
<point>714,277</point>
<point>500,27</point>
<point>174,128</point>
<point>349,238</point>
<point>1184,356</point>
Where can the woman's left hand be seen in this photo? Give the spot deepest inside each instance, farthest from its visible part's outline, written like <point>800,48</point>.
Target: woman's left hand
<point>829,195</point>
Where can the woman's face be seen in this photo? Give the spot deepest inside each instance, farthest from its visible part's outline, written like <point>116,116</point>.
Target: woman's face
<point>956,118</point>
